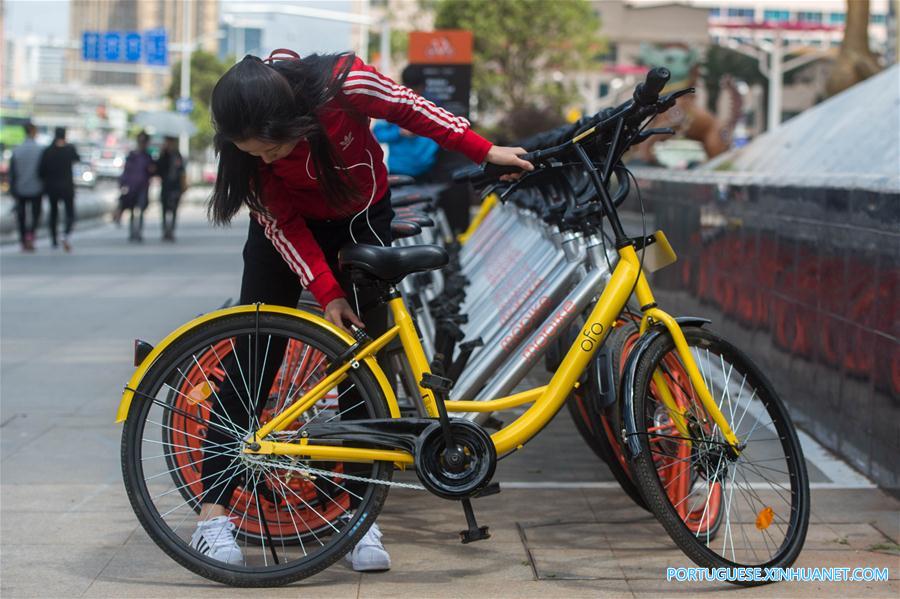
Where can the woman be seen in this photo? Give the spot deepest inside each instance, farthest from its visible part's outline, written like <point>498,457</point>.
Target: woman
<point>170,169</point>
<point>295,147</point>
<point>134,183</point>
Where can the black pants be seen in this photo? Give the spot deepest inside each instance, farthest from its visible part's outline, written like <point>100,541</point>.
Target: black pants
<point>67,196</point>
<point>23,203</point>
<point>169,198</point>
<point>268,279</point>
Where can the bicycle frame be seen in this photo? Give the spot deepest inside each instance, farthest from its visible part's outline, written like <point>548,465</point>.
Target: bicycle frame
<point>487,204</point>
<point>627,278</point>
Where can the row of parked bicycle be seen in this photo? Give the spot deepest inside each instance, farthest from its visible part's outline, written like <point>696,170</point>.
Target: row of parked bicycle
<point>690,428</point>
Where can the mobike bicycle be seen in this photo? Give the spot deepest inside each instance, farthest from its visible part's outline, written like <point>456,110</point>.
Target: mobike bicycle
<point>311,483</point>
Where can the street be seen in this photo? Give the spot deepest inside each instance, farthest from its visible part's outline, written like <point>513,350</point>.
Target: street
<point>561,526</point>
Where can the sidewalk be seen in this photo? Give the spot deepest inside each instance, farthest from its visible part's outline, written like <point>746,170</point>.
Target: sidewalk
<point>561,527</point>
<point>93,208</point>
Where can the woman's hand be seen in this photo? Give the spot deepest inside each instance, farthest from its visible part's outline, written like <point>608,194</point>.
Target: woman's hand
<point>506,156</point>
<point>338,311</point>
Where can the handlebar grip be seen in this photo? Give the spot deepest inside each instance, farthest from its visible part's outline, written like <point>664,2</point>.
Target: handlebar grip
<point>490,172</point>
<point>461,175</point>
<point>494,171</point>
<point>647,93</point>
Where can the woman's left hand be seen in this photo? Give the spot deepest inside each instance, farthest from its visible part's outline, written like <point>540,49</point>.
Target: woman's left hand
<point>339,312</point>
<point>506,156</point>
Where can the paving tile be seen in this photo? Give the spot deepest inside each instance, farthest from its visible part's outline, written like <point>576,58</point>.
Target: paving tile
<point>75,498</point>
<point>67,455</point>
<point>574,564</point>
<point>67,528</point>
<point>141,570</point>
<point>372,587</point>
<point>59,571</point>
<point>787,590</point>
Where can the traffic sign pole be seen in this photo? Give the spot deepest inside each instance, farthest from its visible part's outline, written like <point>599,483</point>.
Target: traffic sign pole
<point>184,140</point>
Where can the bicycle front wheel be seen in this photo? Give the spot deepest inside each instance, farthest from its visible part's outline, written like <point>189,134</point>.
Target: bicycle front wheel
<point>183,439</point>
<point>752,511</point>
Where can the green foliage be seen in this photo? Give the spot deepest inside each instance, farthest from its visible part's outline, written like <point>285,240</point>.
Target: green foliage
<point>399,44</point>
<point>206,69</point>
<point>519,45</point>
<point>721,61</point>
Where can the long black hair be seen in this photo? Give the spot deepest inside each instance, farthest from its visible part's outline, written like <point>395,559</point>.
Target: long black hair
<point>278,102</point>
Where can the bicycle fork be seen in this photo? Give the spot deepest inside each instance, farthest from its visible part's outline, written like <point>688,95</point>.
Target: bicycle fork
<point>676,412</point>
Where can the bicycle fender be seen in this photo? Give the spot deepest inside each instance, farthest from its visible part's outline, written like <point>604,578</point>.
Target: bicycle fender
<point>632,445</point>
<point>150,359</point>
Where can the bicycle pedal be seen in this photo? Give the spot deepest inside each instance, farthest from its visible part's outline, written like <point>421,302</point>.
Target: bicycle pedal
<point>474,534</point>
<point>436,383</point>
<point>491,489</point>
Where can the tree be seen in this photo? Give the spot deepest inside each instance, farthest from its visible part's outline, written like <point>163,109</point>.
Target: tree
<point>522,49</point>
<point>206,69</point>
<point>855,60</point>
<point>721,61</point>
<point>399,45</point>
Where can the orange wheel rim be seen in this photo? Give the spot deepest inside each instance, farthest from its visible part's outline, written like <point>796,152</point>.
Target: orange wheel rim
<point>290,505</point>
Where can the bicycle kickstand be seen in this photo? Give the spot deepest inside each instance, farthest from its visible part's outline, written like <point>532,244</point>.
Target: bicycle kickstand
<point>475,532</point>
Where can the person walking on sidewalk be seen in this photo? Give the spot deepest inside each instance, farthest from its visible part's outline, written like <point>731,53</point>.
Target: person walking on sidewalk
<point>135,185</point>
<point>295,147</point>
<point>56,173</point>
<point>170,168</point>
<point>25,186</point>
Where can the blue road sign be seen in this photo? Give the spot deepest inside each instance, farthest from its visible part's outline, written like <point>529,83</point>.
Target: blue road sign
<point>112,46</point>
<point>156,47</point>
<point>151,46</point>
<point>132,46</point>
<point>90,45</point>
<point>184,105</point>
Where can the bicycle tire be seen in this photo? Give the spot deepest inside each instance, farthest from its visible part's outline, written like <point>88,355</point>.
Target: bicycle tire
<point>352,524</point>
<point>594,423</point>
<point>794,516</point>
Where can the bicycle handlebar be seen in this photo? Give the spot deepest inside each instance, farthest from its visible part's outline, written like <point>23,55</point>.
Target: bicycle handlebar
<point>647,93</point>
<point>643,104</point>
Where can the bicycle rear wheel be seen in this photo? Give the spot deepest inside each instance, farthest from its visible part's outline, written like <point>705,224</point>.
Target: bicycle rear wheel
<point>759,502</point>
<point>290,522</point>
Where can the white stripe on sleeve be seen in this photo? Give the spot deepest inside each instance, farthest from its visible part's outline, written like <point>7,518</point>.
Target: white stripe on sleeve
<point>356,76</point>
<point>376,94</point>
<point>287,250</point>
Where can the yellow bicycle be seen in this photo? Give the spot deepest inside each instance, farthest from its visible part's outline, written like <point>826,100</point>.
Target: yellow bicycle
<point>313,439</point>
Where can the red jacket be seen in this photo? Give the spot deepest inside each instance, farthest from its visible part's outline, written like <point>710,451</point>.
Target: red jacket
<point>290,191</point>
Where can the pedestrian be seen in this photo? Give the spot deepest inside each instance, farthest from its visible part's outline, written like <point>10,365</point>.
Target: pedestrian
<point>408,154</point>
<point>295,147</point>
<point>134,184</point>
<point>56,173</point>
<point>26,187</point>
<point>170,168</point>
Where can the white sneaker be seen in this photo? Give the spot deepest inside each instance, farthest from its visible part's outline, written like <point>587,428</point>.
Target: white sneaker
<point>369,555</point>
<point>215,538</point>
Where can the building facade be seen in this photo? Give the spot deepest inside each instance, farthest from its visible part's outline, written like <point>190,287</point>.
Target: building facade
<point>140,16</point>
<point>814,24</point>
<point>304,26</point>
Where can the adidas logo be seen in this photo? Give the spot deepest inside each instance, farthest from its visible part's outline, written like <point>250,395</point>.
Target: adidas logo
<point>348,139</point>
